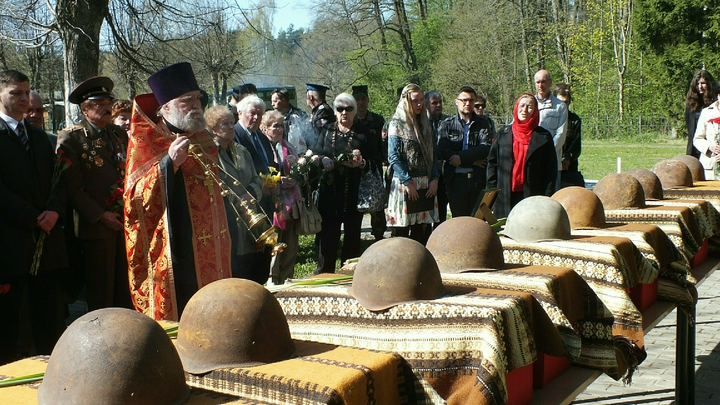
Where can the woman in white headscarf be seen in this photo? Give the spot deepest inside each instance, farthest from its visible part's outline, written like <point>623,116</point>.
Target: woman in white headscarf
<point>412,156</point>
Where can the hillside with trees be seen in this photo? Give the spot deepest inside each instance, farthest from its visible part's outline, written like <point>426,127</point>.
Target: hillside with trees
<point>629,61</point>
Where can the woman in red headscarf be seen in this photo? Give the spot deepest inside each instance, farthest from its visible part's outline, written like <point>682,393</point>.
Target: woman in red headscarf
<point>522,160</point>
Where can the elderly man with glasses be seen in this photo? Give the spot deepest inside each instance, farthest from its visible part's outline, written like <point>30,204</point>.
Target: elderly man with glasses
<point>464,142</point>
<point>97,148</point>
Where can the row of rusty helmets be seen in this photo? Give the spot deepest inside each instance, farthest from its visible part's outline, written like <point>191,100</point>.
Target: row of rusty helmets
<point>458,245</point>
<point>696,168</point>
<point>673,173</point>
<point>114,356</point>
<point>119,356</point>
<point>465,244</point>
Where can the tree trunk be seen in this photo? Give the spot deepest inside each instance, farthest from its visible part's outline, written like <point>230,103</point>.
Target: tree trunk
<point>379,21</point>
<point>409,59</point>
<point>78,25</point>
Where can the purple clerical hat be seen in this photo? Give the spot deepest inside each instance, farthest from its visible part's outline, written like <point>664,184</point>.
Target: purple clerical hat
<point>172,81</point>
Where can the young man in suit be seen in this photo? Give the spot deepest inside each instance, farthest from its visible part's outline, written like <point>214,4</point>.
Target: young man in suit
<point>28,209</point>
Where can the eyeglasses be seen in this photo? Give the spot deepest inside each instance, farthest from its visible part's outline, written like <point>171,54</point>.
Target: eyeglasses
<point>276,126</point>
<point>479,105</point>
<point>345,109</point>
<point>466,100</point>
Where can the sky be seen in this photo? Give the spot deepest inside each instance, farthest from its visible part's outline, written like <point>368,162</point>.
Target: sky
<point>291,12</point>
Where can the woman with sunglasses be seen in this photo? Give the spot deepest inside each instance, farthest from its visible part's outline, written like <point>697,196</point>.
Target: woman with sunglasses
<point>343,149</point>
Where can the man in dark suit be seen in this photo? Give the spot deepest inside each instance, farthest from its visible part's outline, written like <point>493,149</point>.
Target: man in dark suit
<point>94,181</point>
<point>28,209</point>
<point>247,133</point>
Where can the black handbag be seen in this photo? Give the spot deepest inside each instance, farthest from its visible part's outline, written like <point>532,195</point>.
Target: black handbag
<point>372,195</point>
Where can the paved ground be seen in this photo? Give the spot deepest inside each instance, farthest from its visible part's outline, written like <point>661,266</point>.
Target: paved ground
<point>654,383</point>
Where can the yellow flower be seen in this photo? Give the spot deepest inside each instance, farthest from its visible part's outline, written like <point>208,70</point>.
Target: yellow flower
<point>271,179</point>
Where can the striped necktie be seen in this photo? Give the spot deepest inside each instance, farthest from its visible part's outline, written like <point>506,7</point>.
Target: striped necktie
<point>22,134</point>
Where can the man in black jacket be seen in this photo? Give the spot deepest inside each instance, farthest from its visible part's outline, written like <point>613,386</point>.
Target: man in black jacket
<point>28,209</point>
<point>464,143</point>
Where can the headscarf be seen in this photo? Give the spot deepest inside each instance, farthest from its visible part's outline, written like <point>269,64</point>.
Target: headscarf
<point>521,134</point>
<point>405,124</point>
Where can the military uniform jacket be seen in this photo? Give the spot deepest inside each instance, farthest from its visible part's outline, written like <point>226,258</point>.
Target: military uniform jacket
<point>322,115</point>
<point>25,184</point>
<point>98,166</point>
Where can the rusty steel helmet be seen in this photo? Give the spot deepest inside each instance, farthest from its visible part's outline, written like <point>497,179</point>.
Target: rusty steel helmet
<point>465,244</point>
<point>696,168</point>
<point>583,207</point>
<point>650,182</point>
<point>232,323</point>
<point>537,218</point>
<point>382,280</point>
<point>619,191</point>
<point>673,173</point>
<point>114,356</point>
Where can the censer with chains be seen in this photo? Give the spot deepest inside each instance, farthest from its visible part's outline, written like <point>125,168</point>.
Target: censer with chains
<point>257,223</point>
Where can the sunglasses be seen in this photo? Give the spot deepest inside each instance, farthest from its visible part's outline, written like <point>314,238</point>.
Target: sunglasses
<point>479,105</point>
<point>345,109</point>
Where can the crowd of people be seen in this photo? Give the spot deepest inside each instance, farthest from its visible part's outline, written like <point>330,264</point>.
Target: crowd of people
<point>145,202</point>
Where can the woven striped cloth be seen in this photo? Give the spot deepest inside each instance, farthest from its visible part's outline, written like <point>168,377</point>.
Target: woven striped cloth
<point>463,344</point>
<point>705,213</point>
<point>678,223</point>
<point>27,394</point>
<point>323,374</point>
<point>609,266</point>
<point>707,191</point>
<point>675,281</point>
<point>581,319</point>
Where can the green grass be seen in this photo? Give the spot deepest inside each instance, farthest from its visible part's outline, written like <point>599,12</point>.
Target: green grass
<point>307,255</point>
<point>599,157</point>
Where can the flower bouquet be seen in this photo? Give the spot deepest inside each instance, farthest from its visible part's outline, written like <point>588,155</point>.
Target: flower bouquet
<point>61,163</point>
<point>300,167</point>
<point>271,179</point>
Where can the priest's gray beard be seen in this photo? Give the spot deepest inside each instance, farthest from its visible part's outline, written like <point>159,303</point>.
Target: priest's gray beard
<point>194,121</point>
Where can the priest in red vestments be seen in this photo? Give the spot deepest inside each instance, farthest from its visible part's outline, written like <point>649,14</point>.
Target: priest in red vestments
<point>175,224</point>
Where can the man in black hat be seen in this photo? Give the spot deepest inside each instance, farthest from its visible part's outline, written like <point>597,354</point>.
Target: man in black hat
<point>239,92</point>
<point>96,148</point>
<point>176,225</point>
<point>374,124</point>
<point>295,119</point>
<point>322,114</point>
